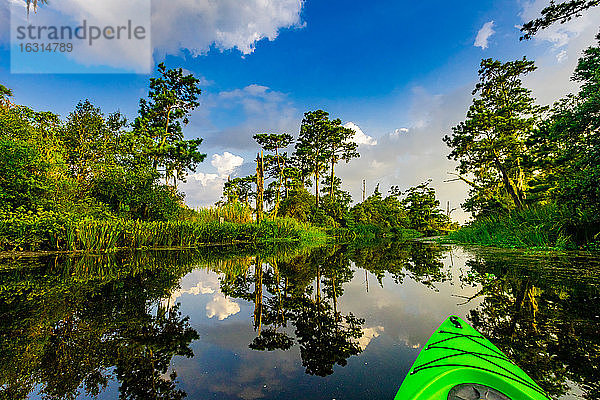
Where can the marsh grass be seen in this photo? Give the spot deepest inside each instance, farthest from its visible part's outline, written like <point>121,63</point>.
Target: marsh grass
<point>43,233</point>
<point>536,227</point>
<point>231,212</point>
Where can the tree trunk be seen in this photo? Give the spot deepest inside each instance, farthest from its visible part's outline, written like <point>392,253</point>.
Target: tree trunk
<point>259,186</point>
<point>317,188</point>
<point>509,185</point>
<point>258,296</point>
<point>332,177</point>
<point>280,177</point>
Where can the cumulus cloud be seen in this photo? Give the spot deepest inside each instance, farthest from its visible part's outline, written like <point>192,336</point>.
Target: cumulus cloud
<point>221,307</point>
<point>226,163</point>
<point>484,34</point>
<point>368,335</point>
<point>359,136</point>
<point>198,25</point>
<point>205,188</point>
<point>176,26</point>
<point>131,55</point>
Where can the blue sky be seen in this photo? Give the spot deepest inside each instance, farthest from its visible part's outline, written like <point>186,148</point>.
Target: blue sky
<point>399,71</point>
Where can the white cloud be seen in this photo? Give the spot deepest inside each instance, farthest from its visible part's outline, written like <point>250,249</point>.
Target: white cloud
<point>368,335</point>
<point>221,307</point>
<point>226,163</point>
<point>399,131</point>
<point>131,55</point>
<point>560,35</point>
<point>196,25</point>
<point>484,34</point>
<point>205,188</point>
<point>562,56</point>
<point>359,136</point>
<point>197,282</point>
<point>562,45</point>
<point>206,179</point>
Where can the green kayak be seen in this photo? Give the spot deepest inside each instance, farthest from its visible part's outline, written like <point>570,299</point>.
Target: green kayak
<point>458,363</point>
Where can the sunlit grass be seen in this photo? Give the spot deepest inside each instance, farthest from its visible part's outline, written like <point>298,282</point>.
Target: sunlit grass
<point>535,227</point>
<point>225,225</point>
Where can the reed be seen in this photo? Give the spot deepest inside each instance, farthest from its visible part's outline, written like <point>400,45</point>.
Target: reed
<point>231,212</point>
<point>536,227</point>
<point>112,234</point>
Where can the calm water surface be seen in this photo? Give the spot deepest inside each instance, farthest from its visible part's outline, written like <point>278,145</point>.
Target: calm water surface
<point>337,322</point>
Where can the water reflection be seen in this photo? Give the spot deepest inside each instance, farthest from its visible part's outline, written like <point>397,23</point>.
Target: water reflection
<point>543,312</point>
<point>285,322</point>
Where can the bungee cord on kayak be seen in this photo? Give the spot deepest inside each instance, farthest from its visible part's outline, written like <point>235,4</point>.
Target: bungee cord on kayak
<point>483,356</point>
<point>458,363</point>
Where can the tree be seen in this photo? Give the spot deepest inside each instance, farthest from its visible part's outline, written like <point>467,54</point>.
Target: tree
<point>239,189</point>
<point>490,143</point>
<point>561,12</point>
<point>274,142</point>
<point>23,180</point>
<point>312,145</point>
<point>172,97</point>
<point>89,140</point>
<point>566,149</point>
<point>422,209</point>
<point>34,3</point>
<point>298,204</point>
<point>340,147</point>
<point>5,95</point>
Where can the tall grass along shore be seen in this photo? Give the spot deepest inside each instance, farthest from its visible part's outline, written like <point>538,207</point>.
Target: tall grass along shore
<point>218,225</point>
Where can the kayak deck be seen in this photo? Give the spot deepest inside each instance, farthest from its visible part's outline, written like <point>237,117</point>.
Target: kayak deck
<point>459,363</point>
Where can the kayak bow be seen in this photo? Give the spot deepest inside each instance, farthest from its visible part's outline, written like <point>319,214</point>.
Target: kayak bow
<point>458,363</point>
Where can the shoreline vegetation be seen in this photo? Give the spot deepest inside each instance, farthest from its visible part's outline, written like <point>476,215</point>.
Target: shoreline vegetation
<point>96,182</point>
<point>542,228</point>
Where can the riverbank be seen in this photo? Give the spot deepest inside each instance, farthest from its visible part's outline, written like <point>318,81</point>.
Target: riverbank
<point>53,234</point>
<point>49,234</point>
<point>549,227</point>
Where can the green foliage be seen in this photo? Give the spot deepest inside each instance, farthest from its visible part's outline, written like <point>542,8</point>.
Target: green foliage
<point>576,128</point>
<point>231,212</point>
<point>422,209</point>
<point>298,204</point>
<point>23,180</point>
<point>239,189</point>
<point>386,213</point>
<point>47,230</point>
<point>551,166</point>
<point>171,98</point>
<point>311,145</point>
<point>90,140</point>
<point>535,227</point>
<point>490,144</point>
<point>561,12</point>
<point>135,193</point>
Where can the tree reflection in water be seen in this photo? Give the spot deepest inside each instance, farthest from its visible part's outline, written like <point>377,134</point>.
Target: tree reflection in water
<point>78,324</point>
<point>302,293</point>
<point>68,322</point>
<point>543,313</point>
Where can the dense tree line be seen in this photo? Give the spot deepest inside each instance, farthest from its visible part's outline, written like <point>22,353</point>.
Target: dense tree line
<point>515,154</point>
<point>321,145</point>
<point>96,165</point>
